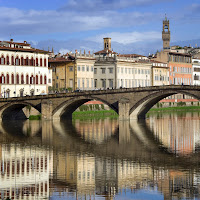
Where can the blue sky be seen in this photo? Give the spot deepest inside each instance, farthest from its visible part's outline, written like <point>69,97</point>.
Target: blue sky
<point>127,22</point>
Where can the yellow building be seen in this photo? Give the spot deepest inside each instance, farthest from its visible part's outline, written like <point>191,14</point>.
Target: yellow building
<point>160,73</point>
<point>73,71</point>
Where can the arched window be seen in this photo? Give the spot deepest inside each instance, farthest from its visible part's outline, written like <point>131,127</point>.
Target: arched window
<point>2,79</point>
<point>40,62</point>
<point>41,81</point>
<point>45,80</point>
<point>26,61</point>
<point>22,78</point>
<point>27,79</point>
<point>36,61</point>
<point>7,60</point>
<point>2,61</point>
<point>36,79</point>
<point>7,79</point>
<point>22,61</point>
<point>31,62</point>
<point>12,79</point>
<point>17,78</point>
<point>45,62</point>
<point>12,60</point>
<point>32,79</point>
<point>17,61</point>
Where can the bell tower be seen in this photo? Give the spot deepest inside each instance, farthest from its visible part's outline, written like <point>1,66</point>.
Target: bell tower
<point>107,43</point>
<point>166,34</point>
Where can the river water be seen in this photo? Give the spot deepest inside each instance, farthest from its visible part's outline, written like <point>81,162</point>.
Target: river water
<point>102,158</point>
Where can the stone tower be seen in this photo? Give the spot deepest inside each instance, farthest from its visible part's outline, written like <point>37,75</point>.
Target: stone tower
<point>107,43</point>
<point>166,34</point>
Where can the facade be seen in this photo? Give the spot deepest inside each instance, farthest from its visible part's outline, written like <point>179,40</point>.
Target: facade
<point>113,70</point>
<point>23,69</point>
<point>160,73</point>
<point>74,71</point>
<point>196,71</point>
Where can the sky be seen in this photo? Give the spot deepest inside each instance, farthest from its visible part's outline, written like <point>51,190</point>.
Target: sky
<point>133,25</point>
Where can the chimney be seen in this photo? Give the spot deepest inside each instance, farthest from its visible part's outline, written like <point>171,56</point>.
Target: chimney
<point>25,42</point>
<point>11,40</point>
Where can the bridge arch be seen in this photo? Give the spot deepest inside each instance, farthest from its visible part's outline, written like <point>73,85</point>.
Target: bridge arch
<point>66,108</point>
<point>139,110</point>
<point>13,111</point>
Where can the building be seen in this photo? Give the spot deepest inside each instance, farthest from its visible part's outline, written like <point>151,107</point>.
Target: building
<point>73,71</point>
<point>112,70</point>
<point>160,73</point>
<point>23,69</point>
<point>196,71</point>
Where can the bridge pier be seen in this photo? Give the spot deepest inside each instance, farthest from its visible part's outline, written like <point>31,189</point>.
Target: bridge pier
<point>46,109</point>
<point>124,107</point>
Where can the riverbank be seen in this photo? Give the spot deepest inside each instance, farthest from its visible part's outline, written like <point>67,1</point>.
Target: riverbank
<point>178,108</point>
<point>96,114</point>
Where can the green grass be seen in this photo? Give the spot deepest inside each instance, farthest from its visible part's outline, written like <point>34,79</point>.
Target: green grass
<point>35,117</point>
<point>96,114</point>
<point>178,108</point>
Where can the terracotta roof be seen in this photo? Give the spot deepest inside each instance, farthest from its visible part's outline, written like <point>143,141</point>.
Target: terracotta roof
<point>130,55</point>
<point>23,49</point>
<point>19,43</point>
<point>105,51</point>
<point>60,59</point>
<point>155,61</point>
<point>181,54</point>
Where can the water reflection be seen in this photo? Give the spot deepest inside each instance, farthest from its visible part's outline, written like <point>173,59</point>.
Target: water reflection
<point>101,158</point>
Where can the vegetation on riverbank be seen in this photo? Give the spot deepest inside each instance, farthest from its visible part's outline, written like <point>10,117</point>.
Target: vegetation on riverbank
<point>178,108</point>
<point>96,114</point>
<point>35,117</point>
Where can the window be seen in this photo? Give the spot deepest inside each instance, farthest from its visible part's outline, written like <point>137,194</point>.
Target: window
<point>103,70</point>
<point>7,79</point>
<point>22,79</point>
<point>27,79</point>
<point>103,83</point>
<point>87,67</point>
<point>49,80</point>
<point>87,83</point>
<point>79,68</point>
<point>45,80</point>
<point>41,82</point>
<point>95,70</point>
<point>83,68</point>
<point>79,83</point>
<point>45,62</point>
<point>12,78</point>
<point>41,62</point>
<point>111,83</point>
<point>71,69</point>
<point>110,70</point>
<point>36,79</point>
<point>95,83</point>
<point>91,68</point>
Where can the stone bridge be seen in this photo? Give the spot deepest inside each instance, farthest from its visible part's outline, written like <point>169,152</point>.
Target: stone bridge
<point>132,103</point>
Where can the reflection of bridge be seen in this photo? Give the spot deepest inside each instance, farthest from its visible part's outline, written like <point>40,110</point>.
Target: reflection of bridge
<point>130,158</point>
<point>131,103</point>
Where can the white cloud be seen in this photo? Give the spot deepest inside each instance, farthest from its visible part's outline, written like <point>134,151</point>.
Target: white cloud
<point>19,22</point>
<point>127,38</point>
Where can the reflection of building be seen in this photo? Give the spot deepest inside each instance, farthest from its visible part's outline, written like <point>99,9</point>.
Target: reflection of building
<point>179,135</point>
<point>97,131</point>
<point>25,172</point>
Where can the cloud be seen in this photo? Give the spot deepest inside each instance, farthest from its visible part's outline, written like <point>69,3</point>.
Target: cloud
<point>106,5</point>
<point>19,22</point>
<point>127,38</point>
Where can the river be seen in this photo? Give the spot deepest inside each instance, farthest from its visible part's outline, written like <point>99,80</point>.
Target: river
<point>158,158</point>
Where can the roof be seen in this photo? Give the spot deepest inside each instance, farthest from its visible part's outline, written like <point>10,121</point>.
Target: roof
<point>19,43</point>
<point>130,55</point>
<point>105,51</point>
<point>23,49</point>
<point>155,61</point>
<point>180,54</point>
<point>60,59</point>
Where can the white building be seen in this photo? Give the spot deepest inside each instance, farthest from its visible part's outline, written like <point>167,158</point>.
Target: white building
<point>115,71</point>
<point>196,71</point>
<point>23,69</point>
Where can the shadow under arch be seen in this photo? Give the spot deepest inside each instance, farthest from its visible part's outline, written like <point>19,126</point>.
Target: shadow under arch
<point>13,111</point>
<point>66,108</point>
<point>144,105</point>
